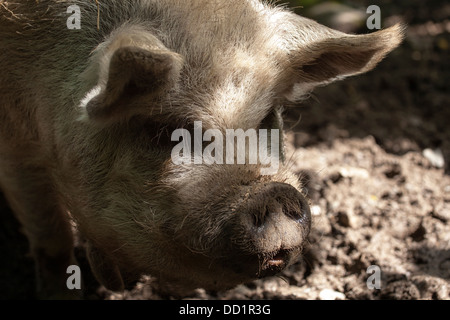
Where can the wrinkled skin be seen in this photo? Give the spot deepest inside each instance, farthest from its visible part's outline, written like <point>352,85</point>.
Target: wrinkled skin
<point>86,122</point>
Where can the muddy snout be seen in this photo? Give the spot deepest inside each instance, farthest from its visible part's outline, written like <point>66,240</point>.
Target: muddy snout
<point>275,220</point>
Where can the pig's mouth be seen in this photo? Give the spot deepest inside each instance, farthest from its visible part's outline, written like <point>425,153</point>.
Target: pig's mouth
<point>275,264</point>
<point>258,266</point>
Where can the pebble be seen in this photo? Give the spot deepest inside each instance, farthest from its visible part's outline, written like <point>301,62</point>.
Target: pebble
<point>435,157</point>
<point>315,210</point>
<point>328,294</point>
<point>353,172</point>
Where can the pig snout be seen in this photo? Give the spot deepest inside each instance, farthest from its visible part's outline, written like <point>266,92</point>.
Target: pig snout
<point>276,220</point>
<point>275,201</point>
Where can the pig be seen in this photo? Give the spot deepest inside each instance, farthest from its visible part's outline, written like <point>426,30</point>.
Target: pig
<point>86,122</point>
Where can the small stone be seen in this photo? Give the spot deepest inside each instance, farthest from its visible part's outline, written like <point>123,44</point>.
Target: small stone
<point>435,157</point>
<point>353,172</point>
<point>328,294</point>
<point>315,210</point>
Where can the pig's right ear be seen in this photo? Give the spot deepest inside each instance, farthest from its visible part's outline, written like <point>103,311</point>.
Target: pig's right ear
<point>338,55</point>
<point>133,73</point>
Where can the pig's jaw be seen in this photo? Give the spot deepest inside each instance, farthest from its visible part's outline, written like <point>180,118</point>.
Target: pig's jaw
<point>197,271</point>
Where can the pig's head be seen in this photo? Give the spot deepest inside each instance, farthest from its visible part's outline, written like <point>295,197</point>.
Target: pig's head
<point>230,66</point>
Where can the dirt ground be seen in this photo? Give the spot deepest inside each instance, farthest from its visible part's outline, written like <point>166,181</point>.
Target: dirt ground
<point>373,152</point>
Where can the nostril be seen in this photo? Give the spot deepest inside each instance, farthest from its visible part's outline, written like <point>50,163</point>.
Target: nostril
<point>258,219</point>
<point>259,215</point>
<point>297,208</point>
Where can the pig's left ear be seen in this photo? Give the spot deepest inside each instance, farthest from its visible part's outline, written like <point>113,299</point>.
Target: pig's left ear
<point>133,73</point>
<point>338,56</point>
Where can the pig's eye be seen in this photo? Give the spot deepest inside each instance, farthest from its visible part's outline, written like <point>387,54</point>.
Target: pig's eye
<point>158,134</point>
